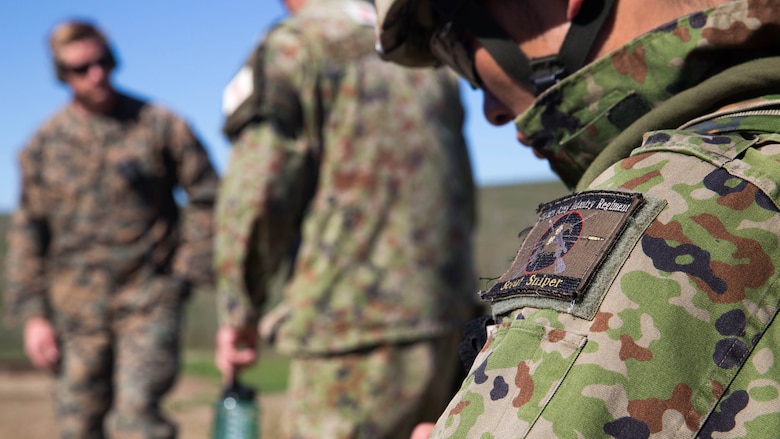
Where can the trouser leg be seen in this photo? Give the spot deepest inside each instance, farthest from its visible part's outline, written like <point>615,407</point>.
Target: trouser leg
<point>147,361</point>
<point>83,384</point>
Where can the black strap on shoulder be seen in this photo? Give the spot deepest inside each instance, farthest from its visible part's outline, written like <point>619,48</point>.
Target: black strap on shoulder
<point>474,338</point>
<point>542,73</point>
<point>576,47</point>
<point>583,32</point>
<point>497,42</point>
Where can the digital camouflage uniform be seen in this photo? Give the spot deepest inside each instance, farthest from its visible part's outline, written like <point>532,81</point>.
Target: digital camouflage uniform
<point>98,248</point>
<point>642,305</point>
<point>360,169</point>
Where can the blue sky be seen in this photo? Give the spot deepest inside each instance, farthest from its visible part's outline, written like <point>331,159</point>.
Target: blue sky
<point>181,54</point>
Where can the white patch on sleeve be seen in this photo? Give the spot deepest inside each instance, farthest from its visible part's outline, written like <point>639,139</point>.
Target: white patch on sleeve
<point>361,13</point>
<point>238,90</point>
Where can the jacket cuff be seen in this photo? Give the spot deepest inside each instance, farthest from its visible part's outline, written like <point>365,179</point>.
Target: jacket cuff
<point>233,313</point>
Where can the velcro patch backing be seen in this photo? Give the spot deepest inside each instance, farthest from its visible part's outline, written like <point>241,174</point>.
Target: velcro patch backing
<point>569,242</point>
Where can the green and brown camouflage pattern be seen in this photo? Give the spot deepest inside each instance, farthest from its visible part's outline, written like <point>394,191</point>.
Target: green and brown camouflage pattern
<point>357,171</point>
<point>684,340</point>
<point>97,245</point>
<point>364,164</point>
<point>573,122</point>
<point>383,392</point>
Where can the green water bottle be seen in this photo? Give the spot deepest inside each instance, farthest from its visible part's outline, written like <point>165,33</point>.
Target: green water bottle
<point>236,413</point>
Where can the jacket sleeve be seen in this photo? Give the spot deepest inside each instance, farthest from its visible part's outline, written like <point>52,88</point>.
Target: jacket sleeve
<point>271,178</point>
<point>259,213</point>
<point>28,241</point>
<point>195,174</point>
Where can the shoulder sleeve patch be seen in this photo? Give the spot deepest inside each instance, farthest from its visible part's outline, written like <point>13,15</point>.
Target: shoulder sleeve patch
<point>562,254</point>
<point>242,97</point>
<point>238,90</point>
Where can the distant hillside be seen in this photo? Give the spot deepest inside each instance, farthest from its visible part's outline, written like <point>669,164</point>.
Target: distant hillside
<point>503,211</point>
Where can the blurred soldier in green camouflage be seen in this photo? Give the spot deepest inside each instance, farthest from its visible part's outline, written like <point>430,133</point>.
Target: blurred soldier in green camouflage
<point>359,168</point>
<point>100,261</point>
<point>643,304</point>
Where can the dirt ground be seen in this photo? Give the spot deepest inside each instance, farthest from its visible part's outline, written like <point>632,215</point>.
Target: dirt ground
<point>26,408</point>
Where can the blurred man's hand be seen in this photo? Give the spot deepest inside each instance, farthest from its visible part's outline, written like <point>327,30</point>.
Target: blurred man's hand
<point>235,349</point>
<point>422,431</point>
<point>40,344</point>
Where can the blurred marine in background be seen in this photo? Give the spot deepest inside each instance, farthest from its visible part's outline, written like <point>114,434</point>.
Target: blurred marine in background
<point>357,171</point>
<point>644,304</point>
<point>100,261</point>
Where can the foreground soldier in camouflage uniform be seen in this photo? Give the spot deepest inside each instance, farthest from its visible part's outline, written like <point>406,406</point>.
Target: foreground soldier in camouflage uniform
<point>99,264</point>
<point>364,164</point>
<point>644,304</point>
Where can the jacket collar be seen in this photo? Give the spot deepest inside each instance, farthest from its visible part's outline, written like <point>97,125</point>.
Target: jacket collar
<point>573,123</point>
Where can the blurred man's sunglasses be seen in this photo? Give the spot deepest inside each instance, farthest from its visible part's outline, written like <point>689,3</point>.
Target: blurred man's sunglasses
<point>80,70</point>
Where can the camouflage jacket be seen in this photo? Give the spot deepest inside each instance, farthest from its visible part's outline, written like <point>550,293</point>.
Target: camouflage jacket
<point>357,170</point>
<point>644,305</point>
<point>97,212</point>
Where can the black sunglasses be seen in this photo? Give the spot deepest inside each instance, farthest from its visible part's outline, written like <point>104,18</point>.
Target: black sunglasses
<point>80,70</point>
